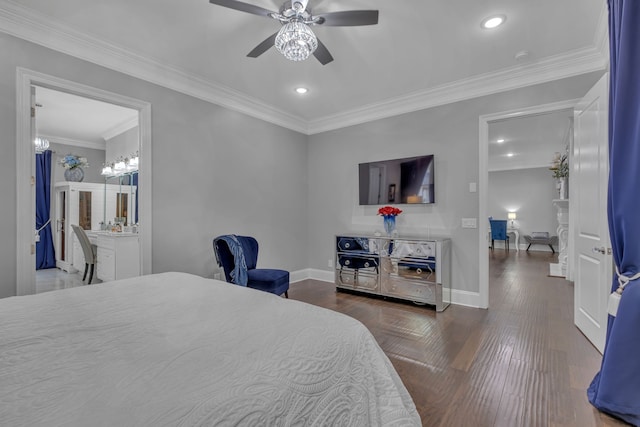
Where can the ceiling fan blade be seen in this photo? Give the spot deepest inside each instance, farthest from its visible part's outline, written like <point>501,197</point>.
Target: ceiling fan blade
<point>349,18</point>
<point>322,54</point>
<point>264,46</point>
<point>242,7</point>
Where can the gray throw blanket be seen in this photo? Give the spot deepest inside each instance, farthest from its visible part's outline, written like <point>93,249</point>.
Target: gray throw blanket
<point>239,273</point>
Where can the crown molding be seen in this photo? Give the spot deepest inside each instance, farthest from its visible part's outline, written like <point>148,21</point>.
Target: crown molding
<point>553,68</point>
<point>75,142</point>
<point>32,26</point>
<point>120,128</point>
<point>29,25</point>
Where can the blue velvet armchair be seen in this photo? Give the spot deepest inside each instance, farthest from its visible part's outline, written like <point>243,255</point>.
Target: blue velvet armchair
<point>228,249</point>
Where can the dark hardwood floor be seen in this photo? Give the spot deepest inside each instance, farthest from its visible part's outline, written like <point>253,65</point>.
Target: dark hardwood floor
<point>520,363</point>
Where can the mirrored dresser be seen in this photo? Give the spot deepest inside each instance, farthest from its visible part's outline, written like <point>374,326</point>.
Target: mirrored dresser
<point>409,268</point>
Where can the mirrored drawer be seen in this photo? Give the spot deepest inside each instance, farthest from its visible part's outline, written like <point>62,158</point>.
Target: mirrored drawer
<point>400,288</point>
<point>356,279</point>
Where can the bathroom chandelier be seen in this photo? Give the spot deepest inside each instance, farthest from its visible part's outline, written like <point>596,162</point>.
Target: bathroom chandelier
<point>41,144</point>
<point>121,166</point>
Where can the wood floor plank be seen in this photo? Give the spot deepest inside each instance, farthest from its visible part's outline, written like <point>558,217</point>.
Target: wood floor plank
<point>522,362</point>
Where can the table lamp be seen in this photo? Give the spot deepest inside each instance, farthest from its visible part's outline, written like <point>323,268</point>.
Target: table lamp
<point>512,216</point>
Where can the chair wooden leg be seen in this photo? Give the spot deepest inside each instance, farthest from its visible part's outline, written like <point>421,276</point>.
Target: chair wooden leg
<point>286,294</point>
<point>91,274</point>
<point>491,244</point>
<point>552,250</point>
<point>528,247</point>
<point>86,268</point>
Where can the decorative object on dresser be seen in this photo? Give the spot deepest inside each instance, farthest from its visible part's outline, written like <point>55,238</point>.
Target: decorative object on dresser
<point>238,257</point>
<point>408,268</point>
<point>389,214</point>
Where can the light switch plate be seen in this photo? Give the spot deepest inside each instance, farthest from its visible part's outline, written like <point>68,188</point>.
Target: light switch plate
<point>473,187</point>
<point>469,223</point>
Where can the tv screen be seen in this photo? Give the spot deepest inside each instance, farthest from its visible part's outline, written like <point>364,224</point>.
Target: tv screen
<point>400,181</point>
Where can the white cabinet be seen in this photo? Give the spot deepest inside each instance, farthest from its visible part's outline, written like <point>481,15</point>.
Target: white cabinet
<point>118,255</point>
<point>85,204</point>
<point>408,268</point>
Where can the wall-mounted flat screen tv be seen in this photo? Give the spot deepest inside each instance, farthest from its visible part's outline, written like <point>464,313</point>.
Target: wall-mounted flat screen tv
<point>400,181</point>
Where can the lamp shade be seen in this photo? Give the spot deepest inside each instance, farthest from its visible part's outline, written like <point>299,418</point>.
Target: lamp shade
<point>511,215</point>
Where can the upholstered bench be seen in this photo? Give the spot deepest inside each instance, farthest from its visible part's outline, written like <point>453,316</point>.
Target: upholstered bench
<point>541,238</point>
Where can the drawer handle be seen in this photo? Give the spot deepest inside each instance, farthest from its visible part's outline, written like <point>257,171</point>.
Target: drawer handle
<point>366,264</point>
<point>419,270</point>
<point>347,245</point>
<point>347,262</point>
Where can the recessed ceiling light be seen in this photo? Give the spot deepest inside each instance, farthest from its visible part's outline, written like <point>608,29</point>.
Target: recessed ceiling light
<point>493,21</point>
<point>302,90</point>
<point>510,154</point>
<point>500,141</point>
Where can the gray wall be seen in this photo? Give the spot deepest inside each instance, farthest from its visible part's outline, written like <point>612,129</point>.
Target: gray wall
<point>529,192</point>
<point>451,132</point>
<point>95,158</point>
<point>214,171</point>
<point>123,145</point>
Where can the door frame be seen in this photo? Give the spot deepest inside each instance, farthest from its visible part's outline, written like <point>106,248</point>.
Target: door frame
<point>483,182</point>
<point>25,169</point>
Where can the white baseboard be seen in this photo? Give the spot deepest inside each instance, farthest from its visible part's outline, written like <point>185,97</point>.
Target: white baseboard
<point>465,298</point>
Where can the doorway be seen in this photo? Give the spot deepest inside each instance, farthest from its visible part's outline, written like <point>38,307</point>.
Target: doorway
<point>26,168</point>
<point>486,123</point>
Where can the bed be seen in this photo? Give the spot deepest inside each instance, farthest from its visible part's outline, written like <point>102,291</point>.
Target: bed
<point>174,349</point>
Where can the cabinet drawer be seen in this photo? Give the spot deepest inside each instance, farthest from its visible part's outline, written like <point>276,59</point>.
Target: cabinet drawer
<point>106,243</point>
<point>402,288</point>
<point>356,279</point>
<point>402,248</point>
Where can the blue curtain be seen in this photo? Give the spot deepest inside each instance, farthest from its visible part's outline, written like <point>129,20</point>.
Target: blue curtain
<point>616,388</point>
<point>45,255</point>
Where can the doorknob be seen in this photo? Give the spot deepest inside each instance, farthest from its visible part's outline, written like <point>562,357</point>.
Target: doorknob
<point>600,250</point>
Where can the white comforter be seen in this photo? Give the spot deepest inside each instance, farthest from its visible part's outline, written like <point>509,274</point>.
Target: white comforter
<point>175,349</point>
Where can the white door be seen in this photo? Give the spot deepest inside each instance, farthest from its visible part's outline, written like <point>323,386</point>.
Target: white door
<point>593,271</point>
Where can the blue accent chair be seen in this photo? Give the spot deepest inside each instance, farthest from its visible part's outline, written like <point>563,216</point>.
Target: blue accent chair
<point>264,279</point>
<point>499,232</point>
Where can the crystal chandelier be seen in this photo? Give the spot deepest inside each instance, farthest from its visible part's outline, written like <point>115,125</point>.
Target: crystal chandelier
<point>41,144</point>
<point>296,41</point>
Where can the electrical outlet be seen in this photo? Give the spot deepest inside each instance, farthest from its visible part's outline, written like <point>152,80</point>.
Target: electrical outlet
<point>330,263</point>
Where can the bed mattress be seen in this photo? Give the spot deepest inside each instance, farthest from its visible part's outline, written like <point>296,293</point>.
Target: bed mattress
<point>175,349</point>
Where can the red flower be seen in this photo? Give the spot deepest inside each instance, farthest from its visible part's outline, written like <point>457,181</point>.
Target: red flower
<point>389,211</point>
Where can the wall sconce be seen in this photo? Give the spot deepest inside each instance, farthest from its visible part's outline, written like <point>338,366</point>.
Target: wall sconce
<point>512,216</point>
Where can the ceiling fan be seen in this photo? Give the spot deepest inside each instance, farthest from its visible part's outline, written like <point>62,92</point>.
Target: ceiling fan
<point>295,40</point>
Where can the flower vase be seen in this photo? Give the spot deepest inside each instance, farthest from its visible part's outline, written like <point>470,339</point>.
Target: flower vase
<point>563,188</point>
<point>74,174</point>
<point>389,224</point>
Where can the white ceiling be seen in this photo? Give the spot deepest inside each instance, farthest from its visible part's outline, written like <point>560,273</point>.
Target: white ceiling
<point>532,140</point>
<point>422,53</point>
<point>71,119</point>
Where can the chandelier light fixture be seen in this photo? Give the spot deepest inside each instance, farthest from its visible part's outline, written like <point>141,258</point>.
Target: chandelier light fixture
<point>41,144</point>
<point>296,41</point>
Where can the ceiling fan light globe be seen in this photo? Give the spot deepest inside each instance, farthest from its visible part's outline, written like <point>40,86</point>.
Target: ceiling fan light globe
<point>296,41</point>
